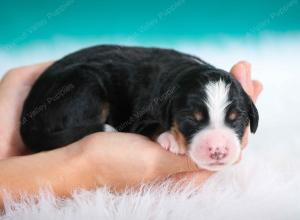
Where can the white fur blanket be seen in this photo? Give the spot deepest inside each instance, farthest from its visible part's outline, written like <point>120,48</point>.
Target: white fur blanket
<point>265,185</point>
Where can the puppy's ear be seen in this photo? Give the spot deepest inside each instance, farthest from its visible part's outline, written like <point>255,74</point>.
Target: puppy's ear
<point>253,116</point>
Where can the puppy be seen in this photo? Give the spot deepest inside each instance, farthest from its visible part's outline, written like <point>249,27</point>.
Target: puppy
<point>185,104</point>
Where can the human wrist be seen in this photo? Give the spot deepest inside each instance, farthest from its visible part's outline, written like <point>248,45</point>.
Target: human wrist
<point>63,171</point>
<point>92,158</point>
<point>119,160</point>
<point>76,171</point>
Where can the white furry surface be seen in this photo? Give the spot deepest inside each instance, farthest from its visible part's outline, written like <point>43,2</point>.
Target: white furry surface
<point>265,185</point>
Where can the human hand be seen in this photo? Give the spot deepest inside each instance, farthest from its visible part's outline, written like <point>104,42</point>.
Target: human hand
<point>242,72</point>
<point>14,88</point>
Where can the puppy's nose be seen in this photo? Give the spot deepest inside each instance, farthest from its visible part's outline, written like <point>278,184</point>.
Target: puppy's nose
<point>218,153</point>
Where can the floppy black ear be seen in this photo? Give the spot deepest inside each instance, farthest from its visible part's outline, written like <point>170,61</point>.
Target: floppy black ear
<point>253,116</point>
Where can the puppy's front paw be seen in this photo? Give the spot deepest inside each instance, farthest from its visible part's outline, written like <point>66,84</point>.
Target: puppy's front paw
<point>168,142</point>
<point>109,128</point>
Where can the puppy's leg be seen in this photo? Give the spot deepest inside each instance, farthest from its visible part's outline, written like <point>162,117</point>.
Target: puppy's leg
<point>76,105</point>
<point>168,142</point>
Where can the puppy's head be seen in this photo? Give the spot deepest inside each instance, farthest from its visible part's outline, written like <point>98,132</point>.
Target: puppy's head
<point>209,116</point>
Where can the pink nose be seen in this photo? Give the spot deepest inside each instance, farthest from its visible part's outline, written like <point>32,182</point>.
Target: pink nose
<point>218,153</point>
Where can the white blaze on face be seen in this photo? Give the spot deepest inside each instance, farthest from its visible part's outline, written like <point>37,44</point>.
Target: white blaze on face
<point>217,100</point>
<point>216,146</point>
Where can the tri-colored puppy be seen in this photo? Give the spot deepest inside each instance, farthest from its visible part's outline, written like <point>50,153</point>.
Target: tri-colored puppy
<point>182,102</point>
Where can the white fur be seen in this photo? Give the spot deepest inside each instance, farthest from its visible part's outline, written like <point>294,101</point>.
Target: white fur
<point>217,100</point>
<point>265,185</point>
<point>231,158</point>
<point>109,128</point>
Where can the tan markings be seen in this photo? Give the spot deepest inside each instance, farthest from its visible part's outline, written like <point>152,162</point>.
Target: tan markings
<point>104,112</point>
<point>180,139</point>
<point>232,116</point>
<point>198,116</point>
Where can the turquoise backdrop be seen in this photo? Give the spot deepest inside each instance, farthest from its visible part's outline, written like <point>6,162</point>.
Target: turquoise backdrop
<point>24,22</point>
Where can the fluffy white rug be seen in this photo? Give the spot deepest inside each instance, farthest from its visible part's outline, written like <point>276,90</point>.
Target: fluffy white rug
<point>265,185</point>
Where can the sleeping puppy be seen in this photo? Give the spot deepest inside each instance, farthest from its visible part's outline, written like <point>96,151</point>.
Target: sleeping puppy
<point>185,104</point>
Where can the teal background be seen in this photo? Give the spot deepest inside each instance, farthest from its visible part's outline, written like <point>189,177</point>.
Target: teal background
<point>24,22</point>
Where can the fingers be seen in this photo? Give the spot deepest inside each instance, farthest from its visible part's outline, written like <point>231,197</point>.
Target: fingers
<point>17,83</point>
<point>34,68</point>
<point>196,178</point>
<point>240,158</point>
<point>258,87</point>
<point>242,72</point>
<point>25,75</point>
<point>14,88</point>
<point>245,138</point>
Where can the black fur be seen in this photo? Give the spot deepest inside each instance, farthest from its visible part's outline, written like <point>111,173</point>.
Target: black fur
<point>142,90</point>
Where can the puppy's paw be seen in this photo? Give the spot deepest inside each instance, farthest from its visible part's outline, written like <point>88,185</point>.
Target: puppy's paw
<point>109,128</point>
<point>168,142</point>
